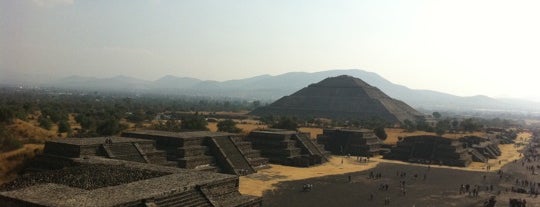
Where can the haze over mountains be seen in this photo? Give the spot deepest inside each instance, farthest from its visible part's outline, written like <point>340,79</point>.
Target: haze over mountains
<point>270,88</point>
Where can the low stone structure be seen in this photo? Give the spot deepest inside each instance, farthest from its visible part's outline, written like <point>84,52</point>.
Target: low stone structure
<point>98,181</point>
<point>206,151</point>
<point>358,142</point>
<point>481,149</point>
<point>59,152</point>
<point>288,147</point>
<point>431,149</point>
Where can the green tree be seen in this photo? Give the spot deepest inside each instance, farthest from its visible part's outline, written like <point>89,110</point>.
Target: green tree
<point>86,122</point>
<point>286,123</point>
<point>194,122</point>
<point>470,125</point>
<point>228,125</point>
<point>8,141</point>
<point>436,114</point>
<point>6,115</point>
<point>409,125</point>
<point>136,117</point>
<point>169,125</point>
<point>380,133</point>
<point>373,122</point>
<point>442,127</point>
<point>63,126</point>
<point>109,127</point>
<point>45,122</point>
<point>421,124</point>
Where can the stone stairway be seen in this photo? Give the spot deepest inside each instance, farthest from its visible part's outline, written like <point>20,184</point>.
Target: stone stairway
<point>226,194</point>
<point>124,151</point>
<point>311,147</point>
<point>477,156</point>
<point>232,156</point>
<point>252,155</point>
<point>192,198</point>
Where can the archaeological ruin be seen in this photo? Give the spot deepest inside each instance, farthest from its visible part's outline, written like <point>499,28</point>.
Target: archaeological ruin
<point>431,149</point>
<point>340,98</point>
<point>481,149</point>
<point>57,152</point>
<point>206,151</point>
<point>358,142</point>
<point>117,171</point>
<point>288,147</point>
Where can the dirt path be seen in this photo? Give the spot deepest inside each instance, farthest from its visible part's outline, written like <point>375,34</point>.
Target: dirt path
<point>256,184</point>
<point>267,179</point>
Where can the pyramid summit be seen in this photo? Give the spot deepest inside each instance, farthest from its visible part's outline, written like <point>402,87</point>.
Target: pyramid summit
<point>340,98</point>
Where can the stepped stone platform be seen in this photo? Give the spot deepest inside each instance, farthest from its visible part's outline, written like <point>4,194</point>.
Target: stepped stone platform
<point>99,181</point>
<point>481,148</point>
<point>57,153</point>
<point>357,142</point>
<point>288,147</point>
<point>204,150</point>
<point>429,149</point>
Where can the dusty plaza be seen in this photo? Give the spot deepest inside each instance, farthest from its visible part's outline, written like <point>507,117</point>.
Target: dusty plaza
<point>346,181</point>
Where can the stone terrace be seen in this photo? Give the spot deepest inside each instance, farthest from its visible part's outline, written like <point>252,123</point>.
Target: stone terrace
<point>204,150</point>
<point>57,152</point>
<point>166,187</point>
<point>288,147</point>
<point>431,149</point>
<point>358,142</point>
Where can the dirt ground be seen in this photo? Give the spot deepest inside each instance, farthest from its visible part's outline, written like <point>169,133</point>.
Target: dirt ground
<point>279,183</point>
<point>266,179</point>
<point>440,188</point>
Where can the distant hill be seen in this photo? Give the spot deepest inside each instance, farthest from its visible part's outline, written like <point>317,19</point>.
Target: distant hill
<point>340,98</point>
<point>270,88</point>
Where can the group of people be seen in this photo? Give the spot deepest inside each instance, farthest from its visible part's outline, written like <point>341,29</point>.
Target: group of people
<point>108,140</point>
<point>373,175</point>
<point>473,191</point>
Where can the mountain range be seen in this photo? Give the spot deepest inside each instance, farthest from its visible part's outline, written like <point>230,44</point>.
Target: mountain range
<point>270,88</point>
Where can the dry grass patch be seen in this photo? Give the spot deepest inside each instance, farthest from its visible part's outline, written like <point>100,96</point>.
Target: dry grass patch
<point>313,132</point>
<point>246,126</point>
<point>28,130</point>
<point>11,162</point>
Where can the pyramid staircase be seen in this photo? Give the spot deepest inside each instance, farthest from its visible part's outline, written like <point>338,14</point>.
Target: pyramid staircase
<point>316,151</point>
<point>192,198</point>
<point>230,156</point>
<point>125,151</point>
<point>477,156</point>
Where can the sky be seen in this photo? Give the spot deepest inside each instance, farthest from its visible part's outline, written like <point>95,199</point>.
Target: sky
<point>462,47</point>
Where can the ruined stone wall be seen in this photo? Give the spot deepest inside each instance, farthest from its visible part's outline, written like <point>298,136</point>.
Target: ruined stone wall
<point>62,149</point>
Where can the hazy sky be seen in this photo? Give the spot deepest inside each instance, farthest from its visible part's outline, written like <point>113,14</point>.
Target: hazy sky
<point>461,47</point>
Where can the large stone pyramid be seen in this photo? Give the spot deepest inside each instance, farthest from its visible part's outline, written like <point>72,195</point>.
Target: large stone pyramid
<point>340,98</point>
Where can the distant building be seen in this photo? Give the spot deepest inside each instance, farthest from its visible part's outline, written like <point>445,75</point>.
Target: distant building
<point>358,142</point>
<point>288,147</point>
<point>430,149</point>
